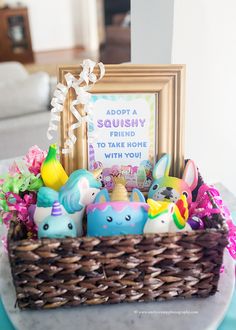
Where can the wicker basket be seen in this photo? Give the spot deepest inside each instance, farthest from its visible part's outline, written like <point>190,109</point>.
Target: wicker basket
<point>50,273</point>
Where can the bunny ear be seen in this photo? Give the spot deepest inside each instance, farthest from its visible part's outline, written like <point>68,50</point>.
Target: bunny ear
<point>162,167</point>
<point>102,197</point>
<point>190,175</point>
<point>137,196</point>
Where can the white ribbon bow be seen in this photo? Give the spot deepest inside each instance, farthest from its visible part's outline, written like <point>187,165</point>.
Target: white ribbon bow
<point>82,97</point>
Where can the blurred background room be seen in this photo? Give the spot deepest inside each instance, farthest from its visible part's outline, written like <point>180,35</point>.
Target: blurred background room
<point>38,36</point>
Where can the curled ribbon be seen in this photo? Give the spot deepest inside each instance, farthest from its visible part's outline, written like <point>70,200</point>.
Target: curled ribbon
<point>203,207</point>
<point>88,79</point>
<point>19,206</point>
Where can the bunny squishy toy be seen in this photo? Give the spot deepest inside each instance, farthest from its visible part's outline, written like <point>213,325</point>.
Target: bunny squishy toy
<point>117,215</point>
<point>168,188</point>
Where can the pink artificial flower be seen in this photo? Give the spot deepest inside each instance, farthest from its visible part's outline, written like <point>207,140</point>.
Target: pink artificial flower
<point>34,159</point>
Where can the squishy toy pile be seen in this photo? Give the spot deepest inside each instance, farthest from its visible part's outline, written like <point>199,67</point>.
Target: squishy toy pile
<point>63,200</point>
<point>70,195</point>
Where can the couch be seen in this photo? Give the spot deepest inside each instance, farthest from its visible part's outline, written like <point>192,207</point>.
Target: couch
<point>24,109</point>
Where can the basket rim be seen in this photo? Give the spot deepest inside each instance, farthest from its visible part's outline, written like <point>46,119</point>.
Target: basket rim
<point>25,241</point>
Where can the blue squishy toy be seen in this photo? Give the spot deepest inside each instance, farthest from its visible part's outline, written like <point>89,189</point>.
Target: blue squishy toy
<point>57,225</point>
<point>78,192</point>
<point>117,215</point>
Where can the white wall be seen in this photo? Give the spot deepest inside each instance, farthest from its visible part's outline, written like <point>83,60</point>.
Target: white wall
<point>204,38</point>
<point>151,31</point>
<point>84,19</point>
<point>61,24</point>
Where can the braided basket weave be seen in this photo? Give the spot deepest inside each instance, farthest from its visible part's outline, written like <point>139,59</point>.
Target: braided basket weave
<point>50,273</point>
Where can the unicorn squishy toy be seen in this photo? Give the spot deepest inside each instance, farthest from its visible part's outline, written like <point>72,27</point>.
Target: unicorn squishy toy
<point>167,217</point>
<point>79,191</point>
<point>168,188</point>
<point>117,215</point>
<point>57,225</point>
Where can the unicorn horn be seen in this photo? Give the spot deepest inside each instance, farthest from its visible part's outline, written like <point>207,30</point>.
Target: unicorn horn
<point>56,209</point>
<point>96,172</point>
<point>119,193</point>
<point>155,207</point>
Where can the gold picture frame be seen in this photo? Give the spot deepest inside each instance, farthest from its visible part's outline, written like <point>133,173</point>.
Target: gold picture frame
<point>167,82</point>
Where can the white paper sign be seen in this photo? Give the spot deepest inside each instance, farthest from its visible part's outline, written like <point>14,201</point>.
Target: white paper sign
<point>121,138</point>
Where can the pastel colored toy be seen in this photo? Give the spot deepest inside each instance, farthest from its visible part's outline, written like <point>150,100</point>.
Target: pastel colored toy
<point>52,172</point>
<point>107,179</point>
<point>168,188</point>
<point>141,176</point>
<point>117,215</point>
<point>57,225</point>
<point>167,217</point>
<point>79,191</point>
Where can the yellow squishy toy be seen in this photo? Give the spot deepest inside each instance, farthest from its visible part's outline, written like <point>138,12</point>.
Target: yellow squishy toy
<point>52,172</point>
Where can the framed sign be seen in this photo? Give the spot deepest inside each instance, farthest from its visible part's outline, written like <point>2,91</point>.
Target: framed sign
<point>137,116</point>
<point>121,138</point>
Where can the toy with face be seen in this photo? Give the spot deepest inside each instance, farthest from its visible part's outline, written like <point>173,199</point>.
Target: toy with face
<point>166,217</point>
<point>167,188</point>
<point>79,191</point>
<point>118,215</point>
<point>57,225</point>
